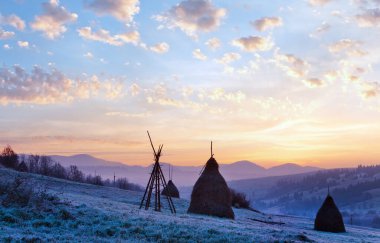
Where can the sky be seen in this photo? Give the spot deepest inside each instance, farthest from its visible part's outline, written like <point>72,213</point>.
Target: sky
<point>267,81</point>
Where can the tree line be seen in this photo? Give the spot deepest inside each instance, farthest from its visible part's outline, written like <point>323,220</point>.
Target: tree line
<point>45,165</point>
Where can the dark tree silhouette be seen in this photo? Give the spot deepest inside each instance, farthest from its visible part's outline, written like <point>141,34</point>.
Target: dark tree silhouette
<point>75,174</point>
<point>9,158</point>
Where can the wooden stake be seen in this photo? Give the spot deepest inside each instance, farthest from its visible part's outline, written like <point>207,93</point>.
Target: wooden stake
<point>156,179</point>
<point>211,150</point>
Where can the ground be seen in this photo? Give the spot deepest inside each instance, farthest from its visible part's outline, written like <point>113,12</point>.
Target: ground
<point>88,213</point>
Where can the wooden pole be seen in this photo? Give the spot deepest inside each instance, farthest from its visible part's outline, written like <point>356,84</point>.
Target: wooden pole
<point>154,183</point>
<point>211,150</point>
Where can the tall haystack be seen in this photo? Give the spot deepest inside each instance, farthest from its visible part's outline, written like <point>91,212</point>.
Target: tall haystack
<point>170,190</point>
<point>211,195</point>
<point>329,218</point>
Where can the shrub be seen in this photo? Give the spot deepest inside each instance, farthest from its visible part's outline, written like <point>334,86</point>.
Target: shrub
<point>21,193</point>
<point>16,192</point>
<point>239,200</point>
<point>65,215</point>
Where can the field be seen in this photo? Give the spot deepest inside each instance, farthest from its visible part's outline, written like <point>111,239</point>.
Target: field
<point>88,213</point>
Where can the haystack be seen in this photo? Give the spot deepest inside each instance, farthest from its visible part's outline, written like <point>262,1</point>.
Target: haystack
<point>170,190</point>
<point>211,195</point>
<point>329,218</point>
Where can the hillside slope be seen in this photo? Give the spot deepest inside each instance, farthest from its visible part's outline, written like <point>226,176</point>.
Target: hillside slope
<point>105,214</point>
<point>356,191</point>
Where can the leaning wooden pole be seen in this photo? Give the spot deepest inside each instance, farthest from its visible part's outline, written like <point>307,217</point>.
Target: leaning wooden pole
<point>156,180</point>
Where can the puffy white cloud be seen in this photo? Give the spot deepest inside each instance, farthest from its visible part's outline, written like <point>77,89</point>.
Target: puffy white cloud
<point>319,2</point>
<point>6,46</point>
<point>348,46</point>
<point>266,23</point>
<point>370,90</point>
<point>369,18</point>
<point>45,87</point>
<point>101,35</point>
<point>6,34</point>
<point>23,44</point>
<point>129,37</point>
<point>12,20</point>
<point>197,53</point>
<point>314,82</point>
<point>220,94</point>
<point>104,36</point>
<point>213,43</point>
<point>292,65</point>
<point>52,21</point>
<point>229,57</point>
<point>253,43</point>
<point>192,16</point>
<point>160,47</point>
<point>123,10</point>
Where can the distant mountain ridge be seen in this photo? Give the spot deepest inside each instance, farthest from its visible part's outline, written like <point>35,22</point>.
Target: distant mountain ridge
<point>182,176</point>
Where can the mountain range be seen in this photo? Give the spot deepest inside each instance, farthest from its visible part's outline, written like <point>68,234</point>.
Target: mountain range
<point>182,175</point>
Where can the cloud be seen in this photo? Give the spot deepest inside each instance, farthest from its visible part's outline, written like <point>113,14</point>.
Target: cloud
<point>12,20</point>
<point>369,18</point>
<point>23,44</point>
<point>123,10</point>
<point>266,23</point>
<point>6,47</point>
<point>104,36</point>
<point>319,2</point>
<point>52,22</point>
<point>135,89</point>
<point>370,90</point>
<point>314,82</point>
<point>292,65</point>
<point>347,46</point>
<point>253,43</point>
<point>229,57</point>
<point>199,55</point>
<point>6,34</point>
<point>320,30</point>
<point>192,16</point>
<point>160,47</point>
<point>46,87</point>
<point>89,55</point>
<point>128,114</point>
<point>129,37</point>
<point>213,43</point>
<point>100,35</point>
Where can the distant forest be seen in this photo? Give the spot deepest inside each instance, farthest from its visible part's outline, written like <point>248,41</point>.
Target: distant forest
<point>350,188</point>
<point>333,178</point>
<point>44,165</point>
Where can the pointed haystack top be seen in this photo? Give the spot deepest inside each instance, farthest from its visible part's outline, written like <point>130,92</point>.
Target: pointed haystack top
<point>170,190</point>
<point>211,164</point>
<point>211,195</point>
<point>329,218</point>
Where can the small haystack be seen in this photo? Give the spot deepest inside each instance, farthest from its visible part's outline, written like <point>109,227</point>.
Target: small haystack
<point>170,190</point>
<point>329,218</point>
<point>211,195</point>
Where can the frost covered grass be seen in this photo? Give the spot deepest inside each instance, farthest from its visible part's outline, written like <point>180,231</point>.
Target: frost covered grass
<point>89,213</point>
